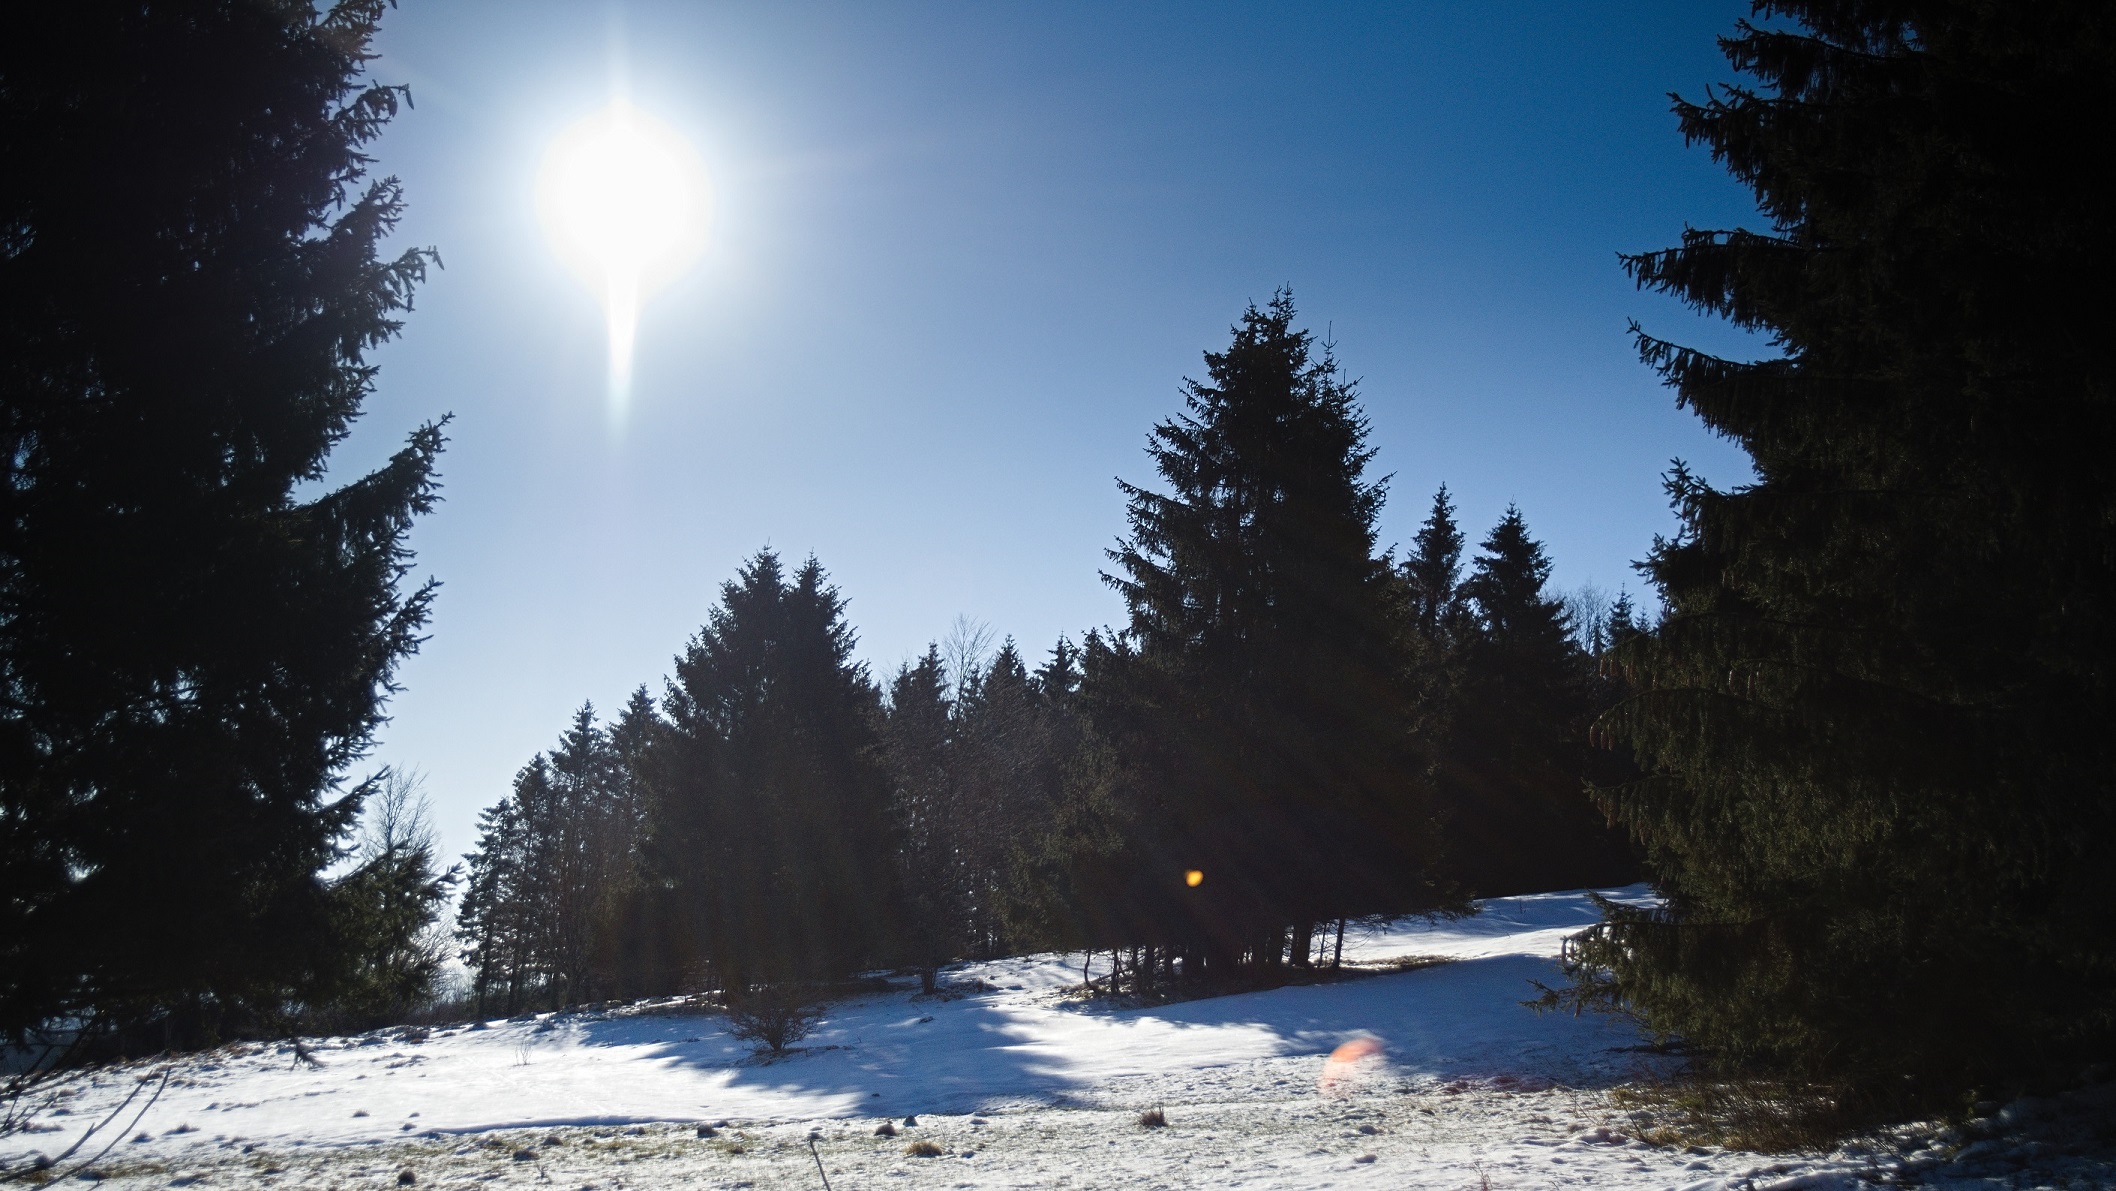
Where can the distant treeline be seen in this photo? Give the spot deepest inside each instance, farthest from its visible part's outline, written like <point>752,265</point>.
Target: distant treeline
<point>1293,728</point>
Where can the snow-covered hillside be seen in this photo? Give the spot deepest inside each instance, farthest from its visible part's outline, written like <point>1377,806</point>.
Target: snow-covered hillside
<point>1017,1085</point>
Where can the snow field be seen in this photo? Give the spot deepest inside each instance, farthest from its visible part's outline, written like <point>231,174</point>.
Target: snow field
<point>1019,1085</point>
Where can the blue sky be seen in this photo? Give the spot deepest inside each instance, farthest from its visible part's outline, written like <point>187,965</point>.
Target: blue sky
<point>962,258</point>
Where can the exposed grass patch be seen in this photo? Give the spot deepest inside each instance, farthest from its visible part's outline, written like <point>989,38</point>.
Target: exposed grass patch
<point>1758,1115</point>
<point>1260,980</point>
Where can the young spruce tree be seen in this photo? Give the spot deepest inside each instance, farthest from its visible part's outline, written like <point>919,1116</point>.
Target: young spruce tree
<point>196,634</point>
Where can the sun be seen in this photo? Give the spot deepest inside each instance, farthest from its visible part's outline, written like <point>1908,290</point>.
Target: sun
<point>625,201</point>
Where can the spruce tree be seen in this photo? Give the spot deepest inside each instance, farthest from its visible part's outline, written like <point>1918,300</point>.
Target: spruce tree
<point>1267,700</point>
<point>1876,712</point>
<point>1433,573</point>
<point>1623,623</point>
<point>770,815</point>
<point>1521,697</point>
<point>918,739</point>
<point>197,628</point>
<point>495,920</point>
<point>391,903</point>
<point>556,883</point>
<point>1526,673</point>
<point>1095,877</point>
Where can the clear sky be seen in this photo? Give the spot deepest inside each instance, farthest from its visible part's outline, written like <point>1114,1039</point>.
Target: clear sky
<point>962,257</point>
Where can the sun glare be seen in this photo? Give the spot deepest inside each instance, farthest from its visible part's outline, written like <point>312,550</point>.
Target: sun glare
<point>625,200</point>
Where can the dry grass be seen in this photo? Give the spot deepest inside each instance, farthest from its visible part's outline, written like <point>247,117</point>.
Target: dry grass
<point>922,1149</point>
<point>1153,1118</point>
<point>1758,1115</point>
<point>1401,963</point>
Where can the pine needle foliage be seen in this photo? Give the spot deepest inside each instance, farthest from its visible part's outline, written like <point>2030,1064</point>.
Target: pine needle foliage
<point>1876,715</point>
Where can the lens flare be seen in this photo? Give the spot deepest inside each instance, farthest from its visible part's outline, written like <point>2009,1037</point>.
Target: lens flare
<point>1349,1065</point>
<point>1193,878</point>
<point>626,202</point>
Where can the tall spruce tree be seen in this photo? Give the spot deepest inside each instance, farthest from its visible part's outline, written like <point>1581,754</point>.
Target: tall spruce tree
<point>918,738</point>
<point>1522,696</point>
<point>496,920</point>
<point>195,640</point>
<point>770,817</point>
<point>1267,701</point>
<point>1876,713</point>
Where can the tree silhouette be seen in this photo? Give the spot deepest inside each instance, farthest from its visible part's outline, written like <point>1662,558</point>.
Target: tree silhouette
<point>1875,715</point>
<point>196,634</point>
<point>1267,701</point>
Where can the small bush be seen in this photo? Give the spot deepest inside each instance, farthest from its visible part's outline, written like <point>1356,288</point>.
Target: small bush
<point>885,1129</point>
<point>776,1015</point>
<point>1153,1118</point>
<point>922,1149</point>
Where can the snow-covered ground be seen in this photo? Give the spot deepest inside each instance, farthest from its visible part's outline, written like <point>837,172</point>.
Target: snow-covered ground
<point>1018,1086</point>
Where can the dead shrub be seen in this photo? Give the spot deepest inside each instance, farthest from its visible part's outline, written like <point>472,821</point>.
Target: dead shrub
<point>922,1149</point>
<point>1153,1118</point>
<point>774,1015</point>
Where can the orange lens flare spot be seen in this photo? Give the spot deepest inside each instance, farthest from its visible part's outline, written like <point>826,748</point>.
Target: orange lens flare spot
<point>1193,878</point>
<point>1342,1070</point>
<point>1355,1050</point>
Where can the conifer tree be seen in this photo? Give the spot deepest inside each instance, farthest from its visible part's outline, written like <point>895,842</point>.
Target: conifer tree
<point>918,739</point>
<point>555,882</point>
<point>495,921</point>
<point>1526,674</point>
<point>1623,623</point>
<point>770,815</point>
<point>196,633</point>
<point>1521,697</point>
<point>1433,572</point>
<point>1094,877</point>
<point>1007,772</point>
<point>391,903</point>
<point>1875,714</point>
<point>1267,699</point>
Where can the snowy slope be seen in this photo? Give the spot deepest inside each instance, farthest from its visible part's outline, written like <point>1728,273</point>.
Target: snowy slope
<point>1021,1086</point>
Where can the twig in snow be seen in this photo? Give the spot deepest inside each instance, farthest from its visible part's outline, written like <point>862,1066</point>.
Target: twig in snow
<point>83,1139</point>
<point>120,1135</point>
<point>819,1159</point>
